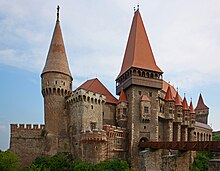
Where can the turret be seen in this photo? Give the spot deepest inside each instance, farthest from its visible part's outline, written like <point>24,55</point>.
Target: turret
<point>178,116</point>
<point>185,112</point>
<point>178,108</point>
<point>192,114</point>
<point>169,106</point>
<point>202,111</point>
<point>185,121</point>
<point>122,110</point>
<point>56,84</point>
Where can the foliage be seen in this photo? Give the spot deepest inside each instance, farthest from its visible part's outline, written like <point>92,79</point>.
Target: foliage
<point>8,161</point>
<point>113,165</point>
<point>64,162</point>
<point>215,137</point>
<point>201,162</point>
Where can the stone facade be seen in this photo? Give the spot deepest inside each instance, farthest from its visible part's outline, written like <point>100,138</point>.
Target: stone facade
<point>91,124</point>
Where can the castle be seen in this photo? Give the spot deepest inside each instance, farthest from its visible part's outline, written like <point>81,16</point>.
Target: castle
<point>93,125</point>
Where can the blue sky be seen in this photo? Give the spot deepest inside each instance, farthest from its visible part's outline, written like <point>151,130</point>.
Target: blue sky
<point>184,36</point>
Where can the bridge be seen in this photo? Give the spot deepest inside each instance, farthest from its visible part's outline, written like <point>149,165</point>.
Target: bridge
<point>211,146</point>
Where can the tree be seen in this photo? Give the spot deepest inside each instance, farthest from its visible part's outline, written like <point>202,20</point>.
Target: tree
<point>8,161</point>
<point>64,162</point>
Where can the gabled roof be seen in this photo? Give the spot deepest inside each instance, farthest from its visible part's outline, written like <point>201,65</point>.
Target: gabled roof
<point>192,111</point>
<point>178,100</point>
<point>185,105</point>
<point>56,58</point>
<point>138,52</point>
<point>169,96</point>
<point>122,97</point>
<point>201,105</point>
<point>96,86</point>
<point>144,98</point>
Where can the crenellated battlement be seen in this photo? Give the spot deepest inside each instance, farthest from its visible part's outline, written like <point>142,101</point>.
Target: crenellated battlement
<point>27,131</point>
<point>93,135</point>
<point>86,96</point>
<point>27,127</point>
<point>115,132</point>
<point>58,91</point>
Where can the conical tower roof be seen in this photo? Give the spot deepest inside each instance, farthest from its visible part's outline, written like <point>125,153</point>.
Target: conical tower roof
<point>169,96</point>
<point>138,52</point>
<point>192,111</point>
<point>56,58</point>
<point>185,105</point>
<point>201,105</point>
<point>122,97</point>
<point>178,100</point>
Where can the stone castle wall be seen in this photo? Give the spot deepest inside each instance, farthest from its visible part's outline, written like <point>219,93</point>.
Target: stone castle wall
<point>27,142</point>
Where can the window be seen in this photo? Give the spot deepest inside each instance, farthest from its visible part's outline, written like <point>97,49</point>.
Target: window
<point>93,125</point>
<point>118,111</point>
<point>91,106</point>
<point>124,111</point>
<point>139,92</point>
<point>150,94</point>
<point>146,109</point>
<point>170,111</point>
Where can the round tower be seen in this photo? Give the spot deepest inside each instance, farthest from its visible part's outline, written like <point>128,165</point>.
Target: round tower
<point>56,84</point>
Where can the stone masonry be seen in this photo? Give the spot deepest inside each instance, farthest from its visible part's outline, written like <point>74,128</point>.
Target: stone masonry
<point>91,124</point>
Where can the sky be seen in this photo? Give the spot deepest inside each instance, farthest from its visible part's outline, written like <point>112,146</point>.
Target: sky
<point>184,36</point>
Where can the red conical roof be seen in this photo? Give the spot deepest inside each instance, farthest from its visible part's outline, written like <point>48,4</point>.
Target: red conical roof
<point>56,58</point>
<point>169,96</point>
<point>96,86</point>
<point>178,100</point>
<point>144,98</point>
<point>192,111</point>
<point>201,105</point>
<point>138,52</point>
<point>122,97</point>
<point>185,105</point>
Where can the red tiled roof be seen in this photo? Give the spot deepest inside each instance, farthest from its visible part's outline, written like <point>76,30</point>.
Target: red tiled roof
<point>169,96</point>
<point>185,105</point>
<point>122,97</point>
<point>178,100</point>
<point>96,86</point>
<point>165,88</point>
<point>144,98</point>
<point>192,111</point>
<point>138,52</point>
<point>201,105</point>
<point>56,58</point>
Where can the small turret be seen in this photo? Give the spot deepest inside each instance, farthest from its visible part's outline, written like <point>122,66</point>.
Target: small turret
<point>185,112</point>
<point>185,121</point>
<point>169,104</point>
<point>56,84</point>
<point>202,111</point>
<point>178,108</point>
<point>192,114</point>
<point>121,110</point>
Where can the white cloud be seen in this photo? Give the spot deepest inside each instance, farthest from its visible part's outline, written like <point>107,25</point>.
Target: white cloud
<point>183,34</point>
